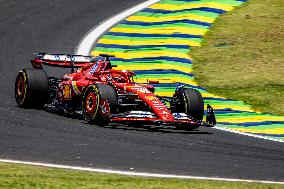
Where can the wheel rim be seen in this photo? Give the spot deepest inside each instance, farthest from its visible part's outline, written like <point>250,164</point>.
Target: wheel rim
<point>91,103</point>
<point>21,88</point>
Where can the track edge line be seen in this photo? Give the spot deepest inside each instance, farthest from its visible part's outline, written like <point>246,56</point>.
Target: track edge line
<point>88,41</point>
<point>130,173</point>
<point>248,134</point>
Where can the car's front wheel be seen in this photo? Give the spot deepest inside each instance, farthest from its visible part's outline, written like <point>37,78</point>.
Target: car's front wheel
<point>189,101</point>
<point>98,102</point>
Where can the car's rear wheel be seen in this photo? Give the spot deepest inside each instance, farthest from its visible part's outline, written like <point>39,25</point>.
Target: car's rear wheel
<point>31,88</point>
<point>98,103</point>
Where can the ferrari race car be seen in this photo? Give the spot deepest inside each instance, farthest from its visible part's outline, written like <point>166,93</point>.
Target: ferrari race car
<point>103,95</point>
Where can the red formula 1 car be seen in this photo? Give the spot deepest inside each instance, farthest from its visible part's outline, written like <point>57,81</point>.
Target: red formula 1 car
<point>104,95</point>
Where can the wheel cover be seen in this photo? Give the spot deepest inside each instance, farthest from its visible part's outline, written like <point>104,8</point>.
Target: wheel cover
<point>104,107</point>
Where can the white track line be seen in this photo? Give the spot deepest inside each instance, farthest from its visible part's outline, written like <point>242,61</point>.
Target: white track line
<point>88,41</point>
<point>130,173</point>
<point>248,134</point>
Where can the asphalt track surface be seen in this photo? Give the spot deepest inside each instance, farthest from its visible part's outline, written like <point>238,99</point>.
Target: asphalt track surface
<point>35,135</point>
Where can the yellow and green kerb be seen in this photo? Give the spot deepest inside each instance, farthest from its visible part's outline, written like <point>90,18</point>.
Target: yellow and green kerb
<point>156,43</point>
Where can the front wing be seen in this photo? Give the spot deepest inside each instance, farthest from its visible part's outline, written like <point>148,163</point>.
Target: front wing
<point>180,119</point>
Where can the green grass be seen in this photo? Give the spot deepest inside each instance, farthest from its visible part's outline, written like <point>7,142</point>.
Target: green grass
<point>15,176</point>
<point>242,56</point>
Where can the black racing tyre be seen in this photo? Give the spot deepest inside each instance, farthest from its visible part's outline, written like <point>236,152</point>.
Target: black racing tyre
<point>98,102</point>
<point>194,105</point>
<point>108,92</point>
<point>190,102</point>
<point>31,88</point>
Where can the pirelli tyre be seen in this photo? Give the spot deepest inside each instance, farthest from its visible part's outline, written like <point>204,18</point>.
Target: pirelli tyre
<point>31,88</point>
<point>189,101</point>
<point>98,103</point>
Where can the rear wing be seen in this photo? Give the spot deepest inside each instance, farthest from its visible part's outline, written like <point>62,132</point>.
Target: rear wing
<point>62,60</point>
